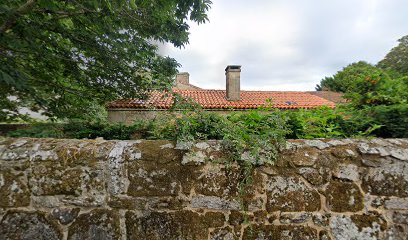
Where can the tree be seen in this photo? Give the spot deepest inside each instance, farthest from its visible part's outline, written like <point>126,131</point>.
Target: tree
<point>346,80</point>
<point>396,61</point>
<point>63,56</point>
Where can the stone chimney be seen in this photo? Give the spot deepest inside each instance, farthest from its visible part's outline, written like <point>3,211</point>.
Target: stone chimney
<point>183,78</point>
<point>233,75</point>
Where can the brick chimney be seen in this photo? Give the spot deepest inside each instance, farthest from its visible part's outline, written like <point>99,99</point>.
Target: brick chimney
<point>233,75</point>
<point>183,78</point>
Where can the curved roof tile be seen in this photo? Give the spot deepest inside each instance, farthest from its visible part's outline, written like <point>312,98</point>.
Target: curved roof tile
<point>215,99</point>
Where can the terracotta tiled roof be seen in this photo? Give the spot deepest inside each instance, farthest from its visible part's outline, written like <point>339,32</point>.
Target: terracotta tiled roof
<point>335,97</point>
<point>215,99</point>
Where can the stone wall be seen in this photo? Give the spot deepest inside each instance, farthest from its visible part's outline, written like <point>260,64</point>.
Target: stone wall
<point>96,189</point>
<point>129,116</point>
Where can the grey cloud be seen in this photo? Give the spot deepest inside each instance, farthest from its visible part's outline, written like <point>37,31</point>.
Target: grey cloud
<point>290,44</point>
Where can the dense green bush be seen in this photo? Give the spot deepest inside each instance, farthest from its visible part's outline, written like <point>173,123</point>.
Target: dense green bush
<point>393,119</point>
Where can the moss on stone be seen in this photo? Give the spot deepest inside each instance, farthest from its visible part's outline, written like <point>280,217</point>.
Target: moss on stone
<point>253,232</point>
<point>158,152</point>
<point>291,194</point>
<point>97,224</point>
<point>343,197</point>
<point>13,189</point>
<point>17,225</point>
<point>49,178</point>
<point>368,221</point>
<point>388,184</point>
<point>175,225</point>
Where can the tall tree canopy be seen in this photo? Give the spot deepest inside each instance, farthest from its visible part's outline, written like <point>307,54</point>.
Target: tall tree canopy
<point>348,78</point>
<point>396,61</point>
<point>62,56</point>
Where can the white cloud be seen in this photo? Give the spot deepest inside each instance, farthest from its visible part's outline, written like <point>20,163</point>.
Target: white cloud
<point>289,44</point>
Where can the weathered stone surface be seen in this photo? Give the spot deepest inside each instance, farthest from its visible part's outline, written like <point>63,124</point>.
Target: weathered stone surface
<point>343,197</point>
<point>305,158</point>
<point>13,189</point>
<point>147,180</point>
<point>141,203</point>
<point>312,175</point>
<point>194,158</point>
<point>237,218</point>
<point>321,219</point>
<point>261,216</point>
<point>126,202</point>
<point>347,172</point>
<point>399,153</point>
<point>324,235</point>
<point>397,232</point>
<point>176,225</point>
<point>365,148</point>
<point>357,226</point>
<point>154,191</point>
<point>159,152</point>
<point>279,232</point>
<point>65,215</point>
<point>389,180</point>
<point>290,194</point>
<point>287,218</point>
<point>50,178</point>
<point>400,217</point>
<point>384,150</point>
<point>219,181</point>
<point>225,233</point>
<point>375,162</point>
<point>317,144</point>
<point>212,202</point>
<point>28,225</point>
<point>97,224</point>
<point>151,179</point>
<point>116,168</point>
<point>344,153</point>
<point>83,153</point>
<point>396,203</point>
<point>85,201</point>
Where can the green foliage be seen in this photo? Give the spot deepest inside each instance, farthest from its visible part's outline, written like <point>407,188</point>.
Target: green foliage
<point>378,97</point>
<point>369,89</point>
<point>63,57</point>
<point>393,119</point>
<point>39,130</point>
<point>396,61</point>
<point>78,129</point>
<point>259,133</point>
<point>348,78</point>
<point>316,123</point>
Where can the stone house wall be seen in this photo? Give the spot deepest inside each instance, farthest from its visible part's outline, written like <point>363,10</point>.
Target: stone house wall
<point>129,116</point>
<point>96,189</point>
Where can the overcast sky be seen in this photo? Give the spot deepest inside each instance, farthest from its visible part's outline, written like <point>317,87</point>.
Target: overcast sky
<point>289,44</point>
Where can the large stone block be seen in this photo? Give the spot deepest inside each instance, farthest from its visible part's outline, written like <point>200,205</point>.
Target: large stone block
<point>367,226</point>
<point>175,225</point>
<point>50,178</point>
<point>219,181</point>
<point>290,194</point>
<point>343,197</point>
<point>160,152</point>
<point>279,232</point>
<point>152,179</point>
<point>225,233</point>
<point>98,224</point>
<point>28,225</point>
<point>13,189</point>
<point>388,180</point>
